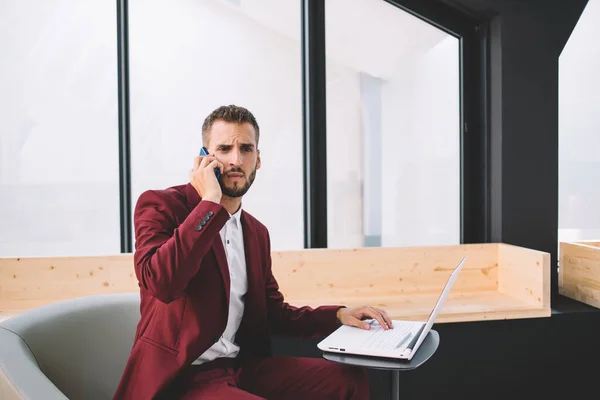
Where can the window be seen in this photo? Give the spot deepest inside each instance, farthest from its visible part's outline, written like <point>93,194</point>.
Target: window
<point>393,128</point>
<point>579,130</point>
<point>59,190</point>
<point>206,54</point>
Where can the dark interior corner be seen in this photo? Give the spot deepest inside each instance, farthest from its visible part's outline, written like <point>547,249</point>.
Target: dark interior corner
<point>525,42</point>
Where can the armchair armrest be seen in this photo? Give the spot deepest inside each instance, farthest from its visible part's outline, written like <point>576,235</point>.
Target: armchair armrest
<point>20,375</point>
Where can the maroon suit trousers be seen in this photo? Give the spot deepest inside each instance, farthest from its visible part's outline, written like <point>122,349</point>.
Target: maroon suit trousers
<point>273,378</point>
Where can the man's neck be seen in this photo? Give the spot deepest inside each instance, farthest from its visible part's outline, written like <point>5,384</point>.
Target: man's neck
<point>231,204</point>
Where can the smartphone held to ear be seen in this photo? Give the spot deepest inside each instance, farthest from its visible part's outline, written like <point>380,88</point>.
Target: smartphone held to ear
<point>204,152</point>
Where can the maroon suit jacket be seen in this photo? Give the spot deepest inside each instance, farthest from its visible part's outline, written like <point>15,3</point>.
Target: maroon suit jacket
<point>182,270</point>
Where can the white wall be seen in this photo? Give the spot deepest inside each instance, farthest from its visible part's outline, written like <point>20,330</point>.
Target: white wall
<point>421,149</point>
<point>579,130</point>
<point>344,157</point>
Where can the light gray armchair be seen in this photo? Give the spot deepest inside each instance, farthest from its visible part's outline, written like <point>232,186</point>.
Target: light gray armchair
<point>74,349</point>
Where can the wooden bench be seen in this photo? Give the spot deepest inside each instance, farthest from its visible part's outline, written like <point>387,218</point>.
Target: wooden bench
<point>498,281</point>
<point>579,271</point>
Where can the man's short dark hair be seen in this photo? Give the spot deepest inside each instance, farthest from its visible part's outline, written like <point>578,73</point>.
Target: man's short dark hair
<point>230,113</point>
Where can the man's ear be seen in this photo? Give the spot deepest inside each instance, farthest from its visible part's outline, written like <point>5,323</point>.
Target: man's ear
<point>258,159</point>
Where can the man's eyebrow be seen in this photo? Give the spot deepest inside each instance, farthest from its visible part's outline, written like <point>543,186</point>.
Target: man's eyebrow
<point>220,146</point>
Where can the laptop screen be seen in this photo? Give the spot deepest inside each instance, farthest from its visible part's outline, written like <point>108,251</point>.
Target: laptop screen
<point>418,339</point>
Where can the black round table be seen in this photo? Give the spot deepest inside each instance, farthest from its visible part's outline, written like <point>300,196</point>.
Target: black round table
<point>425,351</point>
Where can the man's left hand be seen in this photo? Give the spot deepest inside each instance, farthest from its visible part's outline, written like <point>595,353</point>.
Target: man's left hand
<point>355,316</point>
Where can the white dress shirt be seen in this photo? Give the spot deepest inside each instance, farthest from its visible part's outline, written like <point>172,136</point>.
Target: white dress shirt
<point>233,241</point>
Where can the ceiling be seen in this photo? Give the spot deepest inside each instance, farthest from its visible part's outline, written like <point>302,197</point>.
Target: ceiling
<point>370,36</point>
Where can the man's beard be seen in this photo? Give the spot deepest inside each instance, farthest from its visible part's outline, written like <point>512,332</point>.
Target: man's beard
<point>237,191</point>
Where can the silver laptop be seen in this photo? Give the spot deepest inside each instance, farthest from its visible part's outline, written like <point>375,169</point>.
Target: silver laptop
<point>401,342</point>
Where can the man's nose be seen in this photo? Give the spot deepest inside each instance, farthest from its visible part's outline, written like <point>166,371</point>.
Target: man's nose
<point>236,158</point>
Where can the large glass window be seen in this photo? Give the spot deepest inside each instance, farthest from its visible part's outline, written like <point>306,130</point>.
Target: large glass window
<point>393,128</point>
<point>579,130</point>
<point>59,190</point>
<point>188,58</point>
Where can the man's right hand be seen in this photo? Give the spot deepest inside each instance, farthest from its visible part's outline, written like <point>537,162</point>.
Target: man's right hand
<point>203,179</point>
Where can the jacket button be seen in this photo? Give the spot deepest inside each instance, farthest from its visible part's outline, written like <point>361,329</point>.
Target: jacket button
<point>199,228</point>
<point>210,213</point>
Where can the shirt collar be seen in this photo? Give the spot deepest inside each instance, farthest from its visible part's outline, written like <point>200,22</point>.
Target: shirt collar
<point>235,218</point>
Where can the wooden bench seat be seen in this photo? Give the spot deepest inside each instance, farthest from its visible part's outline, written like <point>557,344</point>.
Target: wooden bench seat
<point>579,272</point>
<point>498,281</point>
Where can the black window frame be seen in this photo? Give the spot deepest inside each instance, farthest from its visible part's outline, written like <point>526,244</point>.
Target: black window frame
<point>472,32</point>
<point>125,204</point>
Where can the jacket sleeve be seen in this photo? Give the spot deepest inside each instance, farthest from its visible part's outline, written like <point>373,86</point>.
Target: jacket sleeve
<point>168,255</point>
<point>300,322</point>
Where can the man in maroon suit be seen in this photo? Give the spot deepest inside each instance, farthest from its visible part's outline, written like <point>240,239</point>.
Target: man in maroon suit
<point>209,301</point>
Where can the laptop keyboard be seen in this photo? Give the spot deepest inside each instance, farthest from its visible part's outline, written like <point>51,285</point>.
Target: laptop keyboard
<point>389,339</point>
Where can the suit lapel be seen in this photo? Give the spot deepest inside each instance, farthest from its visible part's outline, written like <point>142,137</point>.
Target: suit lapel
<point>252,255</point>
<point>221,257</point>
<point>252,258</point>
<point>253,329</point>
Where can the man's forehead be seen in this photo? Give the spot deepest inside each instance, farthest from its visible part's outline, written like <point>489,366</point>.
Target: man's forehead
<point>221,125</point>
<point>234,135</point>
<point>223,133</point>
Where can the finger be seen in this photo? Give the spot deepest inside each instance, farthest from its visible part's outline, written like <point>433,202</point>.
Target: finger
<point>375,315</point>
<point>205,160</point>
<point>196,165</point>
<point>382,314</point>
<point>220,166</point>
<point>385,316</point>
<point>359,324</point>
<point>215,164</point>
